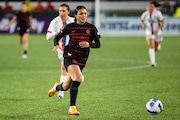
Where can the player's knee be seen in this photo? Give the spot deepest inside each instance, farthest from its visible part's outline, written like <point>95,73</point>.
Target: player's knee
<point>80,78</point>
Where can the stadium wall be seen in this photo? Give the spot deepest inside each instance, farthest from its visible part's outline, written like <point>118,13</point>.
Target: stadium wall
<point>90,5</point>
<point>132,26</point>
<point>108,26</point>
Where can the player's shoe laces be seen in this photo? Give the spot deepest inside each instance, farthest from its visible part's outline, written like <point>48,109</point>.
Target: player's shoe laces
<point>61,94</point>
<point>53,91</point>
<point>73,111</point>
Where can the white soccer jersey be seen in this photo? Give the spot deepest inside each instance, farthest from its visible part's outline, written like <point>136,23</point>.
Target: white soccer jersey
<point>55,26</point>
<point>152,21</point>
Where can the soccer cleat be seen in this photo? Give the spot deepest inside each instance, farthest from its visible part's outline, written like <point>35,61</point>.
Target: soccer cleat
<point>61,94</point>
<point>153,64</point>
<point>73,111</point>
<point>24,56</point>
<point>53,91</point>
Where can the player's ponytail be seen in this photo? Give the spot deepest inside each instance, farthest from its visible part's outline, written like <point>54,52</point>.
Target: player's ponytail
<point>75,19</point>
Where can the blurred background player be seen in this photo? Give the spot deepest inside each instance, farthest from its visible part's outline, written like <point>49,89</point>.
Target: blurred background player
<point>153,21</point>
<point>24,22</point>
<point>54,28</point>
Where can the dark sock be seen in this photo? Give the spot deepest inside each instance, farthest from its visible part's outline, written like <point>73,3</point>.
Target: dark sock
<point>60,87</point>
<point>25,51</point>
<point>74,92</point>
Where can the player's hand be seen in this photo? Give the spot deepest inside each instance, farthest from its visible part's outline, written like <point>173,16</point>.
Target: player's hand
<point>143,26</point>
<point>32,29</point>
<point>84,44</point>
<point>56,48</point>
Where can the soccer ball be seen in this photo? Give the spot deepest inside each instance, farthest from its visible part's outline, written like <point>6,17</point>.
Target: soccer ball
<point>154,106</point>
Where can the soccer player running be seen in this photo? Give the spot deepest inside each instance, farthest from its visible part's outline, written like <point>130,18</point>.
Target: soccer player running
<point>153,21</point>
<point>54,28</point>
<point>83,36</point>
<point>24,20</point>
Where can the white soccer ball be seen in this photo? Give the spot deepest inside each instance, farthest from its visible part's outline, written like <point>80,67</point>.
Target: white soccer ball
<point>154,106</point>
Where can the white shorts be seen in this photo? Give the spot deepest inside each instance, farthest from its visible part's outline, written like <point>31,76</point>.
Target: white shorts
<point>157,38</point>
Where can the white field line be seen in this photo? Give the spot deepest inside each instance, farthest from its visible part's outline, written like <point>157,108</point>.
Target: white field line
<point>86,70</point>
<point>120,68</point>
<point>89,70</point>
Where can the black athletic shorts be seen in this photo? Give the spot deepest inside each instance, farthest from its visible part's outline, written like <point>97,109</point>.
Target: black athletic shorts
<point>70,61</point>
<point>22,30</point>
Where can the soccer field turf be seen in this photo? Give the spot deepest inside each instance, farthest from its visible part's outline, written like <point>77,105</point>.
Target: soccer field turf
<point>118,81</point>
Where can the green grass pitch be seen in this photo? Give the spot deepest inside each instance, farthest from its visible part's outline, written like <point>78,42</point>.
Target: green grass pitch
<point>118,80</point>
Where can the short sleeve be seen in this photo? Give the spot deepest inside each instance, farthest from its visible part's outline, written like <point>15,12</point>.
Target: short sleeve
<point>160,16</point>
<point>143,15</point>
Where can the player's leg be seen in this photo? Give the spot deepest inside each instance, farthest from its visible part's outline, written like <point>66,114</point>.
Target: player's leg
<point>62,79</point>
<point>63,73</point>
<point>60,87</point>
<point>158,41</point>
<point>25,38</point>
<point>20,39</point>
<point>20,32</point>
<point>64,85</point>
<point>76,76</point>
<point>157,46</point>
<point>151,44</point>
